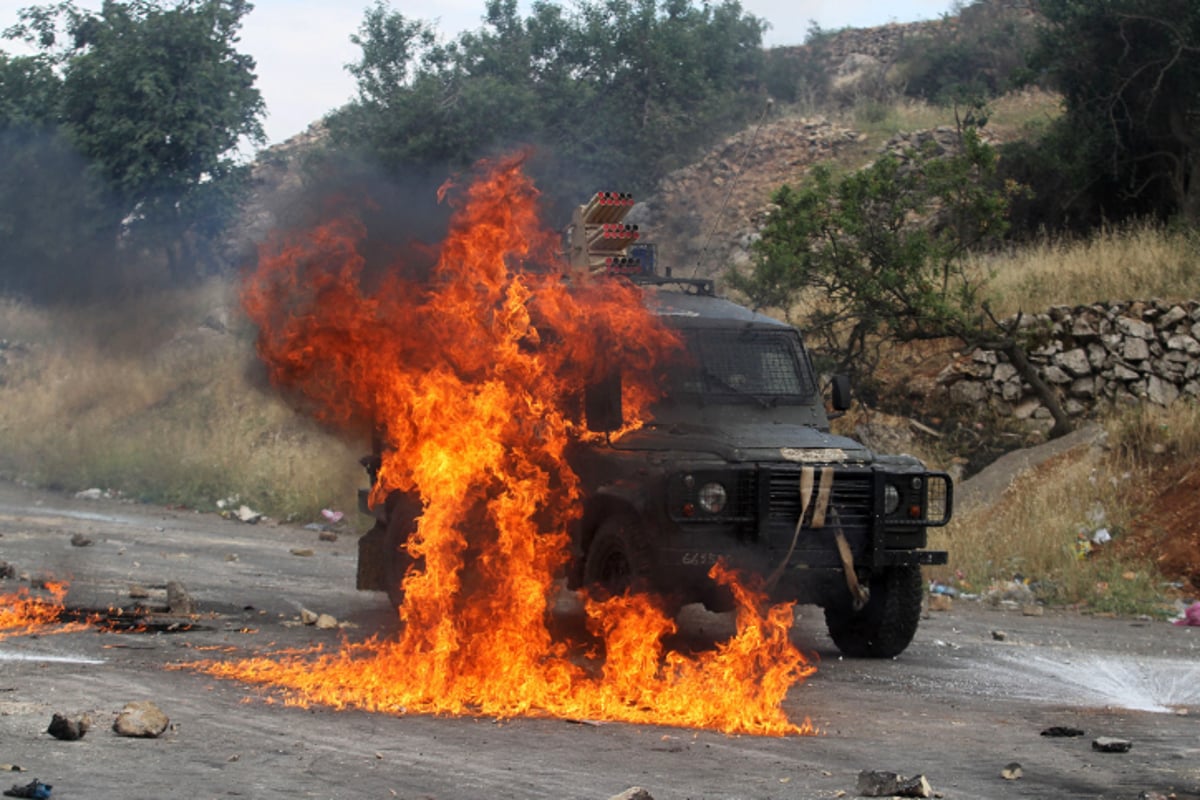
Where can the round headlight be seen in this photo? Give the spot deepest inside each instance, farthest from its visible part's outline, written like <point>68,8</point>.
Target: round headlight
<point>891,499</point>
<point>712,498</point>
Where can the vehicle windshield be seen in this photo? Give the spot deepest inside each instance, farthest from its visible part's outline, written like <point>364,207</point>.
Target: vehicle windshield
<point>724,365</point>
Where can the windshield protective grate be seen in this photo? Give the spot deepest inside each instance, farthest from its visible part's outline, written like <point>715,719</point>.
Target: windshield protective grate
<point>762,364</point>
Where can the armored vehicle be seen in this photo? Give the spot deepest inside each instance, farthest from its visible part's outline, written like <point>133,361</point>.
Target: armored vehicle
<point>737,464</point>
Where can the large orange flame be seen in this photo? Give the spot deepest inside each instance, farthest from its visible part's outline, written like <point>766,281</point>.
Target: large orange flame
<point>469,376</point>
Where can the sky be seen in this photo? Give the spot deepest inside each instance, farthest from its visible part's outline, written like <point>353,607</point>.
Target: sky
<point>303,46</point>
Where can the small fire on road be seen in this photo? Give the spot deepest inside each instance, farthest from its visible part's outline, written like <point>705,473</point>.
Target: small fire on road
<point>469,375</point>
<point>23,613</point>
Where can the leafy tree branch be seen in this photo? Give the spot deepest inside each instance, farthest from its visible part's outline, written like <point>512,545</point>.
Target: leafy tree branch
<point>882,253</point>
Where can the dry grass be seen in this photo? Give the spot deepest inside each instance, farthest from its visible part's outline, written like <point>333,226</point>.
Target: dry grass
<point>1031,532</point>
<point>159,398</point>
<point>1139,261</point>
<point>1041,530</point>
<point>1009,116</point>
<point>1016,113</point>
<point>1148,436</point>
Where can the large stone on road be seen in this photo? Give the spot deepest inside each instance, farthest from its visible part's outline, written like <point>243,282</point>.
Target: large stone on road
<point>141,718</point>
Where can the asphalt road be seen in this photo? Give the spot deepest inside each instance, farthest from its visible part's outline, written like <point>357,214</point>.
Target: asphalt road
<point>958,706</point>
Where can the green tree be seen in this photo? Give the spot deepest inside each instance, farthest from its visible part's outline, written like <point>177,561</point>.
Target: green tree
<point>616,90</point>
<point>1129,71</point>
<point>54,214</point>
<point>800,75</point>
<point>157,99</point>
<point>979,52</point>
<point>882,251</point>
<point>29,91</point>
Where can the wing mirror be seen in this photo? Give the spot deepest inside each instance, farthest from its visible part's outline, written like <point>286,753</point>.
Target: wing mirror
<point>840,393</point>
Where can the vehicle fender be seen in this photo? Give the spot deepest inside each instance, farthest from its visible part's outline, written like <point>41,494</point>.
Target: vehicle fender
<point>609,500</point>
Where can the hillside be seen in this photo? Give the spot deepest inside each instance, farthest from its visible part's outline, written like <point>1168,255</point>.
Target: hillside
<point>93,400</point>
<point>704,217</point>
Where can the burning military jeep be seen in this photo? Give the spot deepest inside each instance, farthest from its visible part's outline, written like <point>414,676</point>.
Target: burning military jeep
<point>736,464</point>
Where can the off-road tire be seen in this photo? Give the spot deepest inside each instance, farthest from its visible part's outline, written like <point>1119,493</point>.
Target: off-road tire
<point>887,624</point>
<point>618,559</point>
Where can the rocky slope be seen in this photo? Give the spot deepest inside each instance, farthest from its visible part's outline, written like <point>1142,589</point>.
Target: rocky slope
<point>704,217</point>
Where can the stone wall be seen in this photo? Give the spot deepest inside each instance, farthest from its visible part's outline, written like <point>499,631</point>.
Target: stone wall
<point>1101,355</point>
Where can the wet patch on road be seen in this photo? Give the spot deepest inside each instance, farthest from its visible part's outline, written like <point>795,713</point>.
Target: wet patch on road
<point>1136,683</point>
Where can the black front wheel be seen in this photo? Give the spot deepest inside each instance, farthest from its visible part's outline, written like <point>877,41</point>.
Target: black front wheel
<point>887,624</point>
<point>618,559</point>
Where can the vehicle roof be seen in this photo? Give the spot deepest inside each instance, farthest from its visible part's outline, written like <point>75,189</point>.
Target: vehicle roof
<point>684,309</point>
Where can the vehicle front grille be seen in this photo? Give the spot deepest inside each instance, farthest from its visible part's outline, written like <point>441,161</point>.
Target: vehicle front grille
<point>851,502</point>
<point>744,496</point>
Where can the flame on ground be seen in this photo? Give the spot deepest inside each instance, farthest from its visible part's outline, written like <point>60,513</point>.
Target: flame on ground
<point>22,614</point>
<point>468,376</point>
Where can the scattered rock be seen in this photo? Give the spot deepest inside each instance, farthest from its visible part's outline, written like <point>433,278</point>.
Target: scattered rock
<point>1013,591</point>
<point>633,793</point>
<point>326,622</point>
<point>872,783</point>
<point>141,718</point>
<point>90,494</point>
<point>1063,731</point>
<point>940,602</point>
<point>327,536</point>
<point>68,729</point>
<point>999,636</point>
<point>303,552</point>
<point>670,744</point>
<point>1110,744</point>
<point>309,617</point>
<point>178,599</point>
<point>7,570</point>
<point>1033,610</point>
<point>1012,772</point>
<point>137,592</point>
<point>80,540</point>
